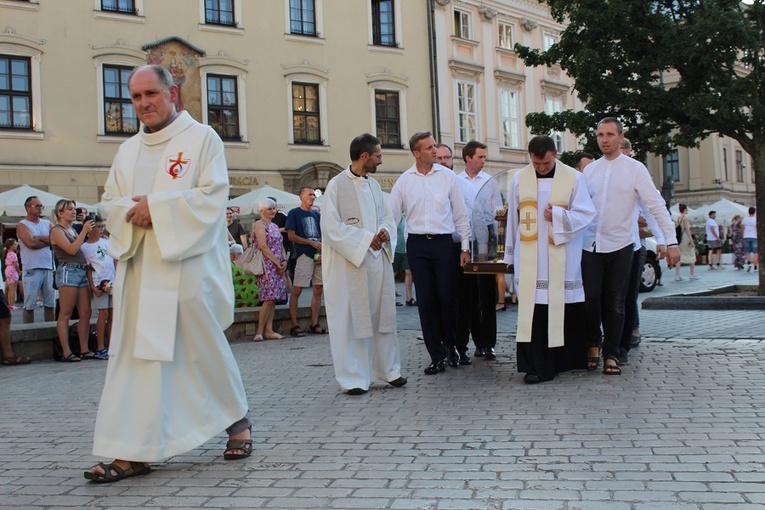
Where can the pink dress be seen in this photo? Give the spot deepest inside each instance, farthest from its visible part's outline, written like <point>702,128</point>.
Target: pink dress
<point>271,284</point>
<point>11,263</point>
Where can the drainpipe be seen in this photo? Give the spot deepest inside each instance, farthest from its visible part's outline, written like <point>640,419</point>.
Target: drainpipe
<point>433,54</point>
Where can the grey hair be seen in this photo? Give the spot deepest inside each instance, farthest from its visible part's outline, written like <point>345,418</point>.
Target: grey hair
<point>236,249</point>
<point>163,75</point>
<point>265,204</point>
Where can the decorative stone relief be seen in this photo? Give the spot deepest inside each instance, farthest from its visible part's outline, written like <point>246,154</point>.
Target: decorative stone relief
<point>443,2</point>
<point>528,24</point>
<point>488,13</point>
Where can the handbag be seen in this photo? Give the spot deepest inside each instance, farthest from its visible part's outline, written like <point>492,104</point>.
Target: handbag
<point>252,262</point>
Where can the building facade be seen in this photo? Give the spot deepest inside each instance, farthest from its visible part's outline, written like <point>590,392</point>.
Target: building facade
<point>286,83</point>
<point>484,89</point>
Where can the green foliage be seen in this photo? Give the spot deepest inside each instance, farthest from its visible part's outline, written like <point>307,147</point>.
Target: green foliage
<point>623,53</point>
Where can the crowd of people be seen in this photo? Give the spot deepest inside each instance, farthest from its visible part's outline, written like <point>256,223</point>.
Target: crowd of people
<point>571,236</point>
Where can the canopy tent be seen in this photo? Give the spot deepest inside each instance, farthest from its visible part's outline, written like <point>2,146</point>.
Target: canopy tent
<point>249,203</point>
<point>675,212</point>
<point>724,208</point>
<point>12,201</point>
<point>320,200</point>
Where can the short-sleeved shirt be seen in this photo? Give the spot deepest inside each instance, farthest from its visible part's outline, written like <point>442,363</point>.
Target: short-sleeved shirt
<point>710,230</point>
<point>306,225</point>
<point>280,220</point>
<point>237,231</point>
<point>100,260</point>
<point>750,227</point>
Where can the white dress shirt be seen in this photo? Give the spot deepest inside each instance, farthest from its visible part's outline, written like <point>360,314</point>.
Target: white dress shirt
<point>433,203</point>
<point>615,187</point>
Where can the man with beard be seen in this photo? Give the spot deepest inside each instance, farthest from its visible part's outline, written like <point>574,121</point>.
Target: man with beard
<point>359,236</point>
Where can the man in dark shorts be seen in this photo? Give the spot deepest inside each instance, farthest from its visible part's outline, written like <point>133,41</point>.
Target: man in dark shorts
<point>8,357</point>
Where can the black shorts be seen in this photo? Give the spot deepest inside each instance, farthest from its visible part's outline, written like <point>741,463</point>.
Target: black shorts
<point>5,312</point>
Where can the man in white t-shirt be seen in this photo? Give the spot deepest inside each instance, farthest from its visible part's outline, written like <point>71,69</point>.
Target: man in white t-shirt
<point>714,241</point>
<point>750,239</point>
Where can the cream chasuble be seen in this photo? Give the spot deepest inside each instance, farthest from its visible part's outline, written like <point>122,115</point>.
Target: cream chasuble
<point>547,255</point>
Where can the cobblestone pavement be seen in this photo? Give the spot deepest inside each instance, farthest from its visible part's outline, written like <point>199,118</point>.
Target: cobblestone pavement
<point>682,429</point>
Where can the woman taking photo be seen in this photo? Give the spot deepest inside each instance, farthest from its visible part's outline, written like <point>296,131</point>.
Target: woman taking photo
<point>71,278</point>
<point>271,284</point>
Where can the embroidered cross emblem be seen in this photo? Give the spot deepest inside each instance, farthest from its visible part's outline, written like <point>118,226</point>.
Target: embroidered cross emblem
<point>528,221</point>
<point>176,166</point>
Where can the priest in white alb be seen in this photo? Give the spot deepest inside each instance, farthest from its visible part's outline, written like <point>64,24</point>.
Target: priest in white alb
<point>172,382</point>
<point>358,242</point>
<point>548,208</point>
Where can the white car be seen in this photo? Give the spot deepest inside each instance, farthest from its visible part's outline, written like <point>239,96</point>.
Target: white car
<point>651,268</point>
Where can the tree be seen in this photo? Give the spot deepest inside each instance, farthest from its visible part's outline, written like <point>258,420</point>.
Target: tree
<point>674,71</point>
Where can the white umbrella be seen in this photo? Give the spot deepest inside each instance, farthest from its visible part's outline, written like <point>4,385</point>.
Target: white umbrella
<point>675,212</point>
<point>724,208</point>
<point>12,201</point>
<point>320,200</point>
<point>249,202</point>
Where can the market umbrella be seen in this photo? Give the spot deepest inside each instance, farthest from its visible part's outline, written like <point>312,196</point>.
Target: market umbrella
<point>675,212</point>
<point>12,201</point>
<point>249,202</point>
<point>724,208</point>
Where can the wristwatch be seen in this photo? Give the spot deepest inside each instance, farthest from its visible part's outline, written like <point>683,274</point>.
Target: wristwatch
<point>465,251</point>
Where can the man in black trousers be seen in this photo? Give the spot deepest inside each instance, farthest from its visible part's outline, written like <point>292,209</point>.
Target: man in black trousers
<point>430,197</point>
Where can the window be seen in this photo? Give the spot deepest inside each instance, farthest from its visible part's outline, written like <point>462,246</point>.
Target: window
<point>739,166</point>
<point>511,125</point>
<point>121,6</point>
<point>505,36</point>
<point>388,118</point>
<point>220,12</point>
<point>119,114</point>
<point>672,166</point>
<point>466,111</point>
<point>725,163</point>
<point>303,17</point>
<point>549,40</point>
<point>15,92</point>
<point>305,114</point>
<point>223,107</point>
<point>383,23</point>
<point>462,24</point>
<point>554,105</point>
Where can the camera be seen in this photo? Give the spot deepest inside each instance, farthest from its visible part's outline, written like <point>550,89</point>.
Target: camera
<point>90,217</point>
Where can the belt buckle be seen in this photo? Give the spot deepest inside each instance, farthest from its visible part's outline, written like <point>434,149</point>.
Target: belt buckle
<point>428,236</point>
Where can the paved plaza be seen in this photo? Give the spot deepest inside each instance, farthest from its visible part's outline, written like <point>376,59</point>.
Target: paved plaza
<point>682,429</point>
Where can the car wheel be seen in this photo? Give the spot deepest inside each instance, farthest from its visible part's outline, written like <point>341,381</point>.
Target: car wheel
<point>651,273</point>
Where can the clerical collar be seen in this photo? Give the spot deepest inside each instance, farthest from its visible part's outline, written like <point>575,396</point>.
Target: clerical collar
<point>357,175</point>
<point>549,175</point>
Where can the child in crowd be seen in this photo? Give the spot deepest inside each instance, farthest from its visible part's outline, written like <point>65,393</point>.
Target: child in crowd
<point>101,274</point>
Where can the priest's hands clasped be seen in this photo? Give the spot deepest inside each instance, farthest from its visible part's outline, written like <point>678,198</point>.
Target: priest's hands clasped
<point>379,239</point>
<point>139,215</point>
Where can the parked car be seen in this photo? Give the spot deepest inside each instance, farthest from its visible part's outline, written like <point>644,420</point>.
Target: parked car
<point>651,268</point>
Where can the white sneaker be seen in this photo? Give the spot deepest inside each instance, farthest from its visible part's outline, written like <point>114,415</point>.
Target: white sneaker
<point>694,277</point>
<point>679,278</point>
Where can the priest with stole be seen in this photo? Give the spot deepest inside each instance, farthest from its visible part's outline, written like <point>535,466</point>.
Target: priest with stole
<point>548,208</point>
<point>359,238</point>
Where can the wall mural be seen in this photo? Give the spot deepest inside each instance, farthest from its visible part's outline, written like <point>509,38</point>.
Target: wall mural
<point>183,65</point>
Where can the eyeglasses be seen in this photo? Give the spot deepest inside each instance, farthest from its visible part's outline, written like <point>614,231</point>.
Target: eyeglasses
<point>101,226</point>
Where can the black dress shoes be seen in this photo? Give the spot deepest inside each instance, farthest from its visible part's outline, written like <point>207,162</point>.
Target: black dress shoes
<point>398,382</point>
<point>435,367</point>
<point>480,352</point>
<point>356,391</point>
<point>465,359</point>
<point>531,379</point>
<point>489,353</point>
<point>453,359</point>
